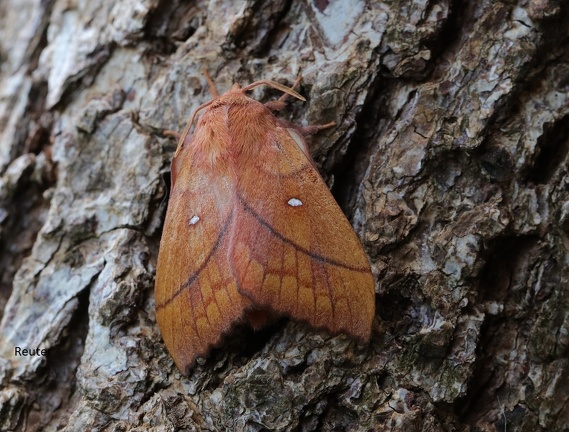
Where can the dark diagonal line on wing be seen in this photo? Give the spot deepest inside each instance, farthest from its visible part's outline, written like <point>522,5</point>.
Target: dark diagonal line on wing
<point>299,248</point>
<point>195,275</point>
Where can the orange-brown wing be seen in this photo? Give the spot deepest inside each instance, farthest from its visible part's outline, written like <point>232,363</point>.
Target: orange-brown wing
<point>196,295</point>
<point>292,249</point>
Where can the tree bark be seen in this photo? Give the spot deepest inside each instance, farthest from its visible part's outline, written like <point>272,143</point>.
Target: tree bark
<point>449,156</point>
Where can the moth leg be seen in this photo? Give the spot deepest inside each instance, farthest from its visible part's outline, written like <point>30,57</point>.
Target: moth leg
<point>171,133</point>
<point>176,135</point>
<point>182,137</point>
<point>312,129</point>
<point>296,82</point>
<point>280,103</point>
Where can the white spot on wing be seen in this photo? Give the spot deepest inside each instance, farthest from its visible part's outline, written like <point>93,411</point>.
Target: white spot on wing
<point>194,220</point>
<point>294,202</point>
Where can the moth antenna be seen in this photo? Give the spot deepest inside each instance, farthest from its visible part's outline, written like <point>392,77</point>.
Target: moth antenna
<point>295,85</point>
<point>210,83</point>
<point>280,103</point>
<point>189,125</point>
<point>275,85</point>
<point>214,93</point>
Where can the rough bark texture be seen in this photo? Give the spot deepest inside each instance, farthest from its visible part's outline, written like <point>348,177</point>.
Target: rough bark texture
<point>450,157</point>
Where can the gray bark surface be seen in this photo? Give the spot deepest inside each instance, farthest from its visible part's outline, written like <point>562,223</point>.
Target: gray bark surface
<point>450,156</point>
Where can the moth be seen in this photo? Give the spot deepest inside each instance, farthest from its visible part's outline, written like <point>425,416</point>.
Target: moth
<point>252,231</point>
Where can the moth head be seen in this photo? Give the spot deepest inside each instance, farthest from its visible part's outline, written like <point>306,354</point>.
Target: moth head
<point>236,96</point>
